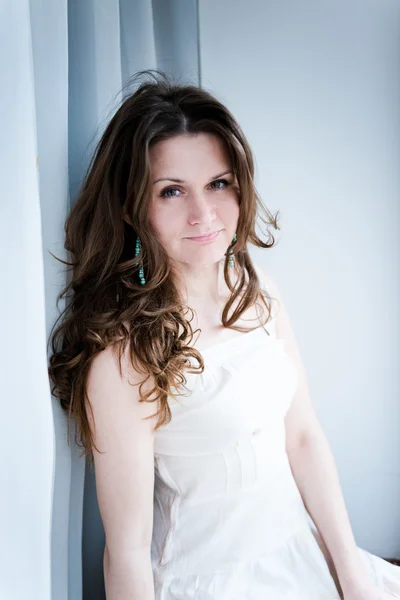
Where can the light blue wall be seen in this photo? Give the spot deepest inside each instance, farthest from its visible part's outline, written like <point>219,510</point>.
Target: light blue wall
<point>315,86</point>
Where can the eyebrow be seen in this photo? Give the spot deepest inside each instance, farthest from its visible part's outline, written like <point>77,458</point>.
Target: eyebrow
<point>182,181</point>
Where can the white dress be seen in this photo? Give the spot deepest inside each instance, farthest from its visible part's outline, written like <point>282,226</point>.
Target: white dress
<point>229,521</point>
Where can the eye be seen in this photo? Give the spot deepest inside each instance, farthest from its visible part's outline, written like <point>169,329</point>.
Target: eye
<point>168,192</point>
<point>224,181</point>
<point>165,193</point>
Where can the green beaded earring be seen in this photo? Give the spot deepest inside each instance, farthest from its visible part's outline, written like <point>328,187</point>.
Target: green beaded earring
<point>141,272</point>
<point>232,258</point>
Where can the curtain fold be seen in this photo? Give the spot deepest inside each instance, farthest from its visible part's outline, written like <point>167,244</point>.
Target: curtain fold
<point>65,67</point>
<point>28,439</point>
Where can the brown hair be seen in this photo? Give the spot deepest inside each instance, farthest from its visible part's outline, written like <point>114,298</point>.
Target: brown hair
<point>107,303</point>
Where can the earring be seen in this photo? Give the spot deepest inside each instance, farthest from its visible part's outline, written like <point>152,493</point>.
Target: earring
<point>141,272</point>
<point>232,258</point>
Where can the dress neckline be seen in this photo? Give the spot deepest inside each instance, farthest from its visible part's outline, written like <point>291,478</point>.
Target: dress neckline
<point>243,337</point>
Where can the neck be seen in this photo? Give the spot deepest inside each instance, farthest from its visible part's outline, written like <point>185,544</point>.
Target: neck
<point>202,286</point>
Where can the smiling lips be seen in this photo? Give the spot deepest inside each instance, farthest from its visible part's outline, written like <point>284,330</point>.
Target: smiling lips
<point>205,238</point>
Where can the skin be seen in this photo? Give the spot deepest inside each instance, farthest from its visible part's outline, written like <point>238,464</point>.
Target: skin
<point>200,203</point>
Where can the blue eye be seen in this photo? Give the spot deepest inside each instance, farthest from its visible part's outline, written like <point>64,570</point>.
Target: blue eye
<point>224,181</point>
<point>166,193</point>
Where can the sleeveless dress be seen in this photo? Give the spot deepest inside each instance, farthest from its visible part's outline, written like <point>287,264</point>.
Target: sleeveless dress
<point>229,520</point>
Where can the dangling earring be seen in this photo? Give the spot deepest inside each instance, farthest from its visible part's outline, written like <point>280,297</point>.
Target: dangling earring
<point>232,258</point>
<point>141,272</point>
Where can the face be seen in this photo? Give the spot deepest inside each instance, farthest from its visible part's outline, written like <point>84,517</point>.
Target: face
<point>205,199</point>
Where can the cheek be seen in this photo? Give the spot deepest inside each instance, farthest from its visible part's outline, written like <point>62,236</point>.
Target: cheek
<point>229,211</point>
<point>167,225</point>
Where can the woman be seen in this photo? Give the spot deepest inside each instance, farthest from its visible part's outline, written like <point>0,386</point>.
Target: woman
<point>214,479</point>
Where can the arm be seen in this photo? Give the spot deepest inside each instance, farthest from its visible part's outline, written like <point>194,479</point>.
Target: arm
<point>314,469</point>
<point>124,475</point>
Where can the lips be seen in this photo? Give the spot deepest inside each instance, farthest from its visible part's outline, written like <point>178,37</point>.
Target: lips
<point>203,238</point>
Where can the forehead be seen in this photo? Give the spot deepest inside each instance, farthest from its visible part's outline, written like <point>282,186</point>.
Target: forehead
<point>188,154</point>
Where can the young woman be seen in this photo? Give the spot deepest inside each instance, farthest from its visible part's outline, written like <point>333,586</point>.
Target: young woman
<point>214,478</point>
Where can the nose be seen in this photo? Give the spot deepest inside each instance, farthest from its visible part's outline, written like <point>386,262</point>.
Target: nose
<point>201,209</point>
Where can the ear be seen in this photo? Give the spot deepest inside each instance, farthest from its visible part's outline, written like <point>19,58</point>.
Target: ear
<point>127,219</point>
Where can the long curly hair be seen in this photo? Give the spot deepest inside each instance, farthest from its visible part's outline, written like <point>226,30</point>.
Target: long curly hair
<point>105,300</point>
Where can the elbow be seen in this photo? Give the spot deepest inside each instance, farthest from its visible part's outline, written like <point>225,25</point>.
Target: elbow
<point>126,555</point>
<point>304,440</point>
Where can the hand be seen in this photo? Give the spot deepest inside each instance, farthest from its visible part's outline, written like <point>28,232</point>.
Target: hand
<point>369,592</point>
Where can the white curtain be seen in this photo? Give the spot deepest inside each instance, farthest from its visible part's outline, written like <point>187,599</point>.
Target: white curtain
<point>64,65</point>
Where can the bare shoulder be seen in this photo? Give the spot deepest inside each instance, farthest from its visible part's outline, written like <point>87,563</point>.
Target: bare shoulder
<point>114,386</point>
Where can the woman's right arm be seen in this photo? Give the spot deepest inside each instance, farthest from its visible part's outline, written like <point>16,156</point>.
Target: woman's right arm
<point>124,475</point>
